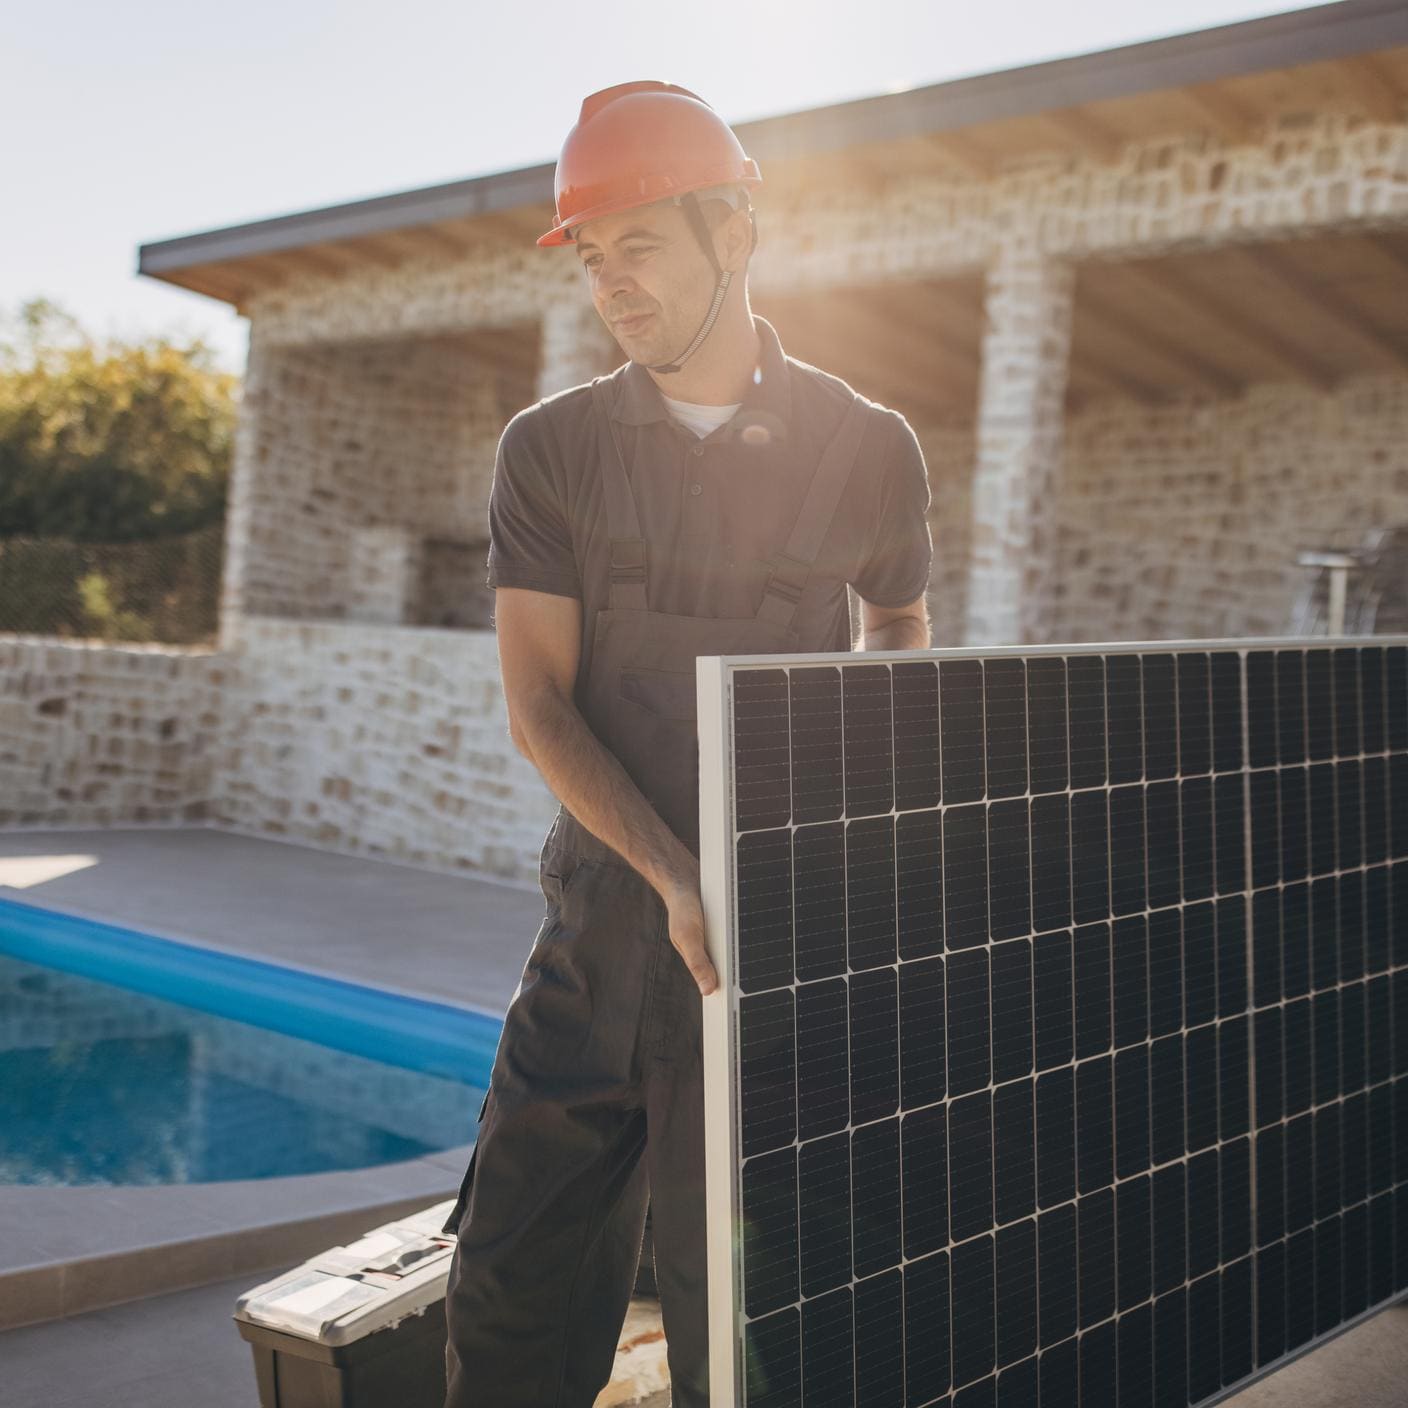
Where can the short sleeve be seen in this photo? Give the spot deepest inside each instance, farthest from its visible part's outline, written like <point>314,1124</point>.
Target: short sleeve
<point>530,537</point>
<point>901,552</point>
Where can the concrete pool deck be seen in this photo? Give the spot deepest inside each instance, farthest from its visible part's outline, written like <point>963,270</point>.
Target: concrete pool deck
<point>65,1251</point>
<point>450,937</point>
<point>182,1351</point>
<point>69,1250</point>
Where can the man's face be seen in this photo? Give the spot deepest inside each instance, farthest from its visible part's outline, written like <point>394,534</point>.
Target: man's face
<point>649,279</point>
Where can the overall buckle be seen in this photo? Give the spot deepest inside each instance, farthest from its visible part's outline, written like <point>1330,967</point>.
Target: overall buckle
<point>789,578</point>
<point>628,560</point>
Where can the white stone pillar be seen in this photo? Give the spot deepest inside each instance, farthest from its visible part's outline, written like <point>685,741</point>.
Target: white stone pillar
<point>576,345</point>
<point>249,452</point>
<point>1020,424</point>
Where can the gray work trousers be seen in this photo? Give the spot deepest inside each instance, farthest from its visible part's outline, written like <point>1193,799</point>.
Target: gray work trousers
<point>598,1064</point>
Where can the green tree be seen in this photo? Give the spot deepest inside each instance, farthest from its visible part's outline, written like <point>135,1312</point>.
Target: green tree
<point>110,441</point>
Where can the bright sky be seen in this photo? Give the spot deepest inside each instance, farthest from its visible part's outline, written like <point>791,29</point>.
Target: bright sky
<point>129,126</point>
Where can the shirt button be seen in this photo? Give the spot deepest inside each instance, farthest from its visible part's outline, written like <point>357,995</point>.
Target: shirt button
<point>696,488</point>
<point>698,449</point>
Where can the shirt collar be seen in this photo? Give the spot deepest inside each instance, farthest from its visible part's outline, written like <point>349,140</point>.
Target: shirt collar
<point>766,402</point>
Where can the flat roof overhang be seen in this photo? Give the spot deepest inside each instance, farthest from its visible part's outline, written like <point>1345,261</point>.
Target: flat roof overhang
<point>1225,79</point>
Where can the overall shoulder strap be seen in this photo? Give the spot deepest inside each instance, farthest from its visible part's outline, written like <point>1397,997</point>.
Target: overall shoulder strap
<point>628,559</point>
<point>792,566</point>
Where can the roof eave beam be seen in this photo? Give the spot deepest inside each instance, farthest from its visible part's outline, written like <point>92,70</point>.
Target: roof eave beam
<point>1274,265</point>
<point>1203,373</point>
<point>1274,348</point>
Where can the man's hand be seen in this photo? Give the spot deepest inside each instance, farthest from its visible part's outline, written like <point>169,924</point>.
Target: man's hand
<point>685,907</point>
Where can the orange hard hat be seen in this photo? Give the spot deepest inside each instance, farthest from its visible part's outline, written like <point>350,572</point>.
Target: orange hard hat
<point>638,143</point>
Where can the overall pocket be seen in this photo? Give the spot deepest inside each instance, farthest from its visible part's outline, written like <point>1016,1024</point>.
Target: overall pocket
<point>452,1222</point>
<point>558,870</point>
<point>669,693</point>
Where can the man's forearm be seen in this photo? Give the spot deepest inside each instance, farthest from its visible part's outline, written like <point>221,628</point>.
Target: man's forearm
<point>588,779</point>
<point>591,783</point>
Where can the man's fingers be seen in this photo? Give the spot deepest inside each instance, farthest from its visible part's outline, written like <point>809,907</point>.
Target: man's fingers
<point>705,976</point>
<point>696,959</point>
<point>687,935</point>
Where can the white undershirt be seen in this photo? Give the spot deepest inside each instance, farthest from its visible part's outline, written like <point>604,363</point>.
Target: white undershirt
<point>700,419</point>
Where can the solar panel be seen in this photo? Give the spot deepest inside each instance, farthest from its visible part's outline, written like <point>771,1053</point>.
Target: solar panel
<point>1060,1054</point>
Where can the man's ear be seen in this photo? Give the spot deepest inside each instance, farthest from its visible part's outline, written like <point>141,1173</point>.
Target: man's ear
<point>736,241</point>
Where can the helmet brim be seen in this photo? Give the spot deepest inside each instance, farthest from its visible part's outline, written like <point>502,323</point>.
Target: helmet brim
<point>561,233</point>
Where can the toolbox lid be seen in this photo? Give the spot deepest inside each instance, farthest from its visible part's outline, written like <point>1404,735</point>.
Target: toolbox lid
<point>348,1292</point>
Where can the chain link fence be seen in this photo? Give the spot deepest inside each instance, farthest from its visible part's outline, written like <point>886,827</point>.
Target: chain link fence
<point>156,589</point>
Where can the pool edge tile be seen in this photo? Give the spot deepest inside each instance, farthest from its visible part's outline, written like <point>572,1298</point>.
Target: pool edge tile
<point>30,1296</point>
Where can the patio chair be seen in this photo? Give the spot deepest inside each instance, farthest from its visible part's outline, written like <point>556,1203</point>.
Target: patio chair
<point>1362,578</point>
<point>1384,609</point>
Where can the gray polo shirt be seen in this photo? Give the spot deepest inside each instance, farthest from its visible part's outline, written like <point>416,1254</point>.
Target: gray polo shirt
<point>713,511</point>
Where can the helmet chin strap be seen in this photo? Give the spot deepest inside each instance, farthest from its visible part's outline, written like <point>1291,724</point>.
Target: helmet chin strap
<point>689,203</point>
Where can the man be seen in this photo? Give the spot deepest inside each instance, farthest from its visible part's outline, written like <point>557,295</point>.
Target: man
<point>712,496</point>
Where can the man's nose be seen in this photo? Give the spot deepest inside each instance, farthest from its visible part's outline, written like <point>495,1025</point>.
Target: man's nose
<point>612,278</point>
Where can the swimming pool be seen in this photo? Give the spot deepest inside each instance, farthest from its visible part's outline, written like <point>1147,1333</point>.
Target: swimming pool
<point>126,1058</point>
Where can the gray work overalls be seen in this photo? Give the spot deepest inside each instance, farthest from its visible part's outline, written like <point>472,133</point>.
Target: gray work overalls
<point>599,1057</point>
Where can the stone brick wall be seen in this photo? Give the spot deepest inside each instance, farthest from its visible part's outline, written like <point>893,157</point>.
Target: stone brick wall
<point>1185,521</point>
<point>1306,171</point>
<point>382,741</point>
<point>377,435</point>
<point>494,283</point>
<point>100,735</point>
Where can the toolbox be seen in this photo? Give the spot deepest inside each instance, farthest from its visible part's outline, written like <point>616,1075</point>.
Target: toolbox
<point>359,1326</point>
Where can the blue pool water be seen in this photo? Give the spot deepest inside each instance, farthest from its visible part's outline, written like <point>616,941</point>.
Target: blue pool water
<point>263,1071</point>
